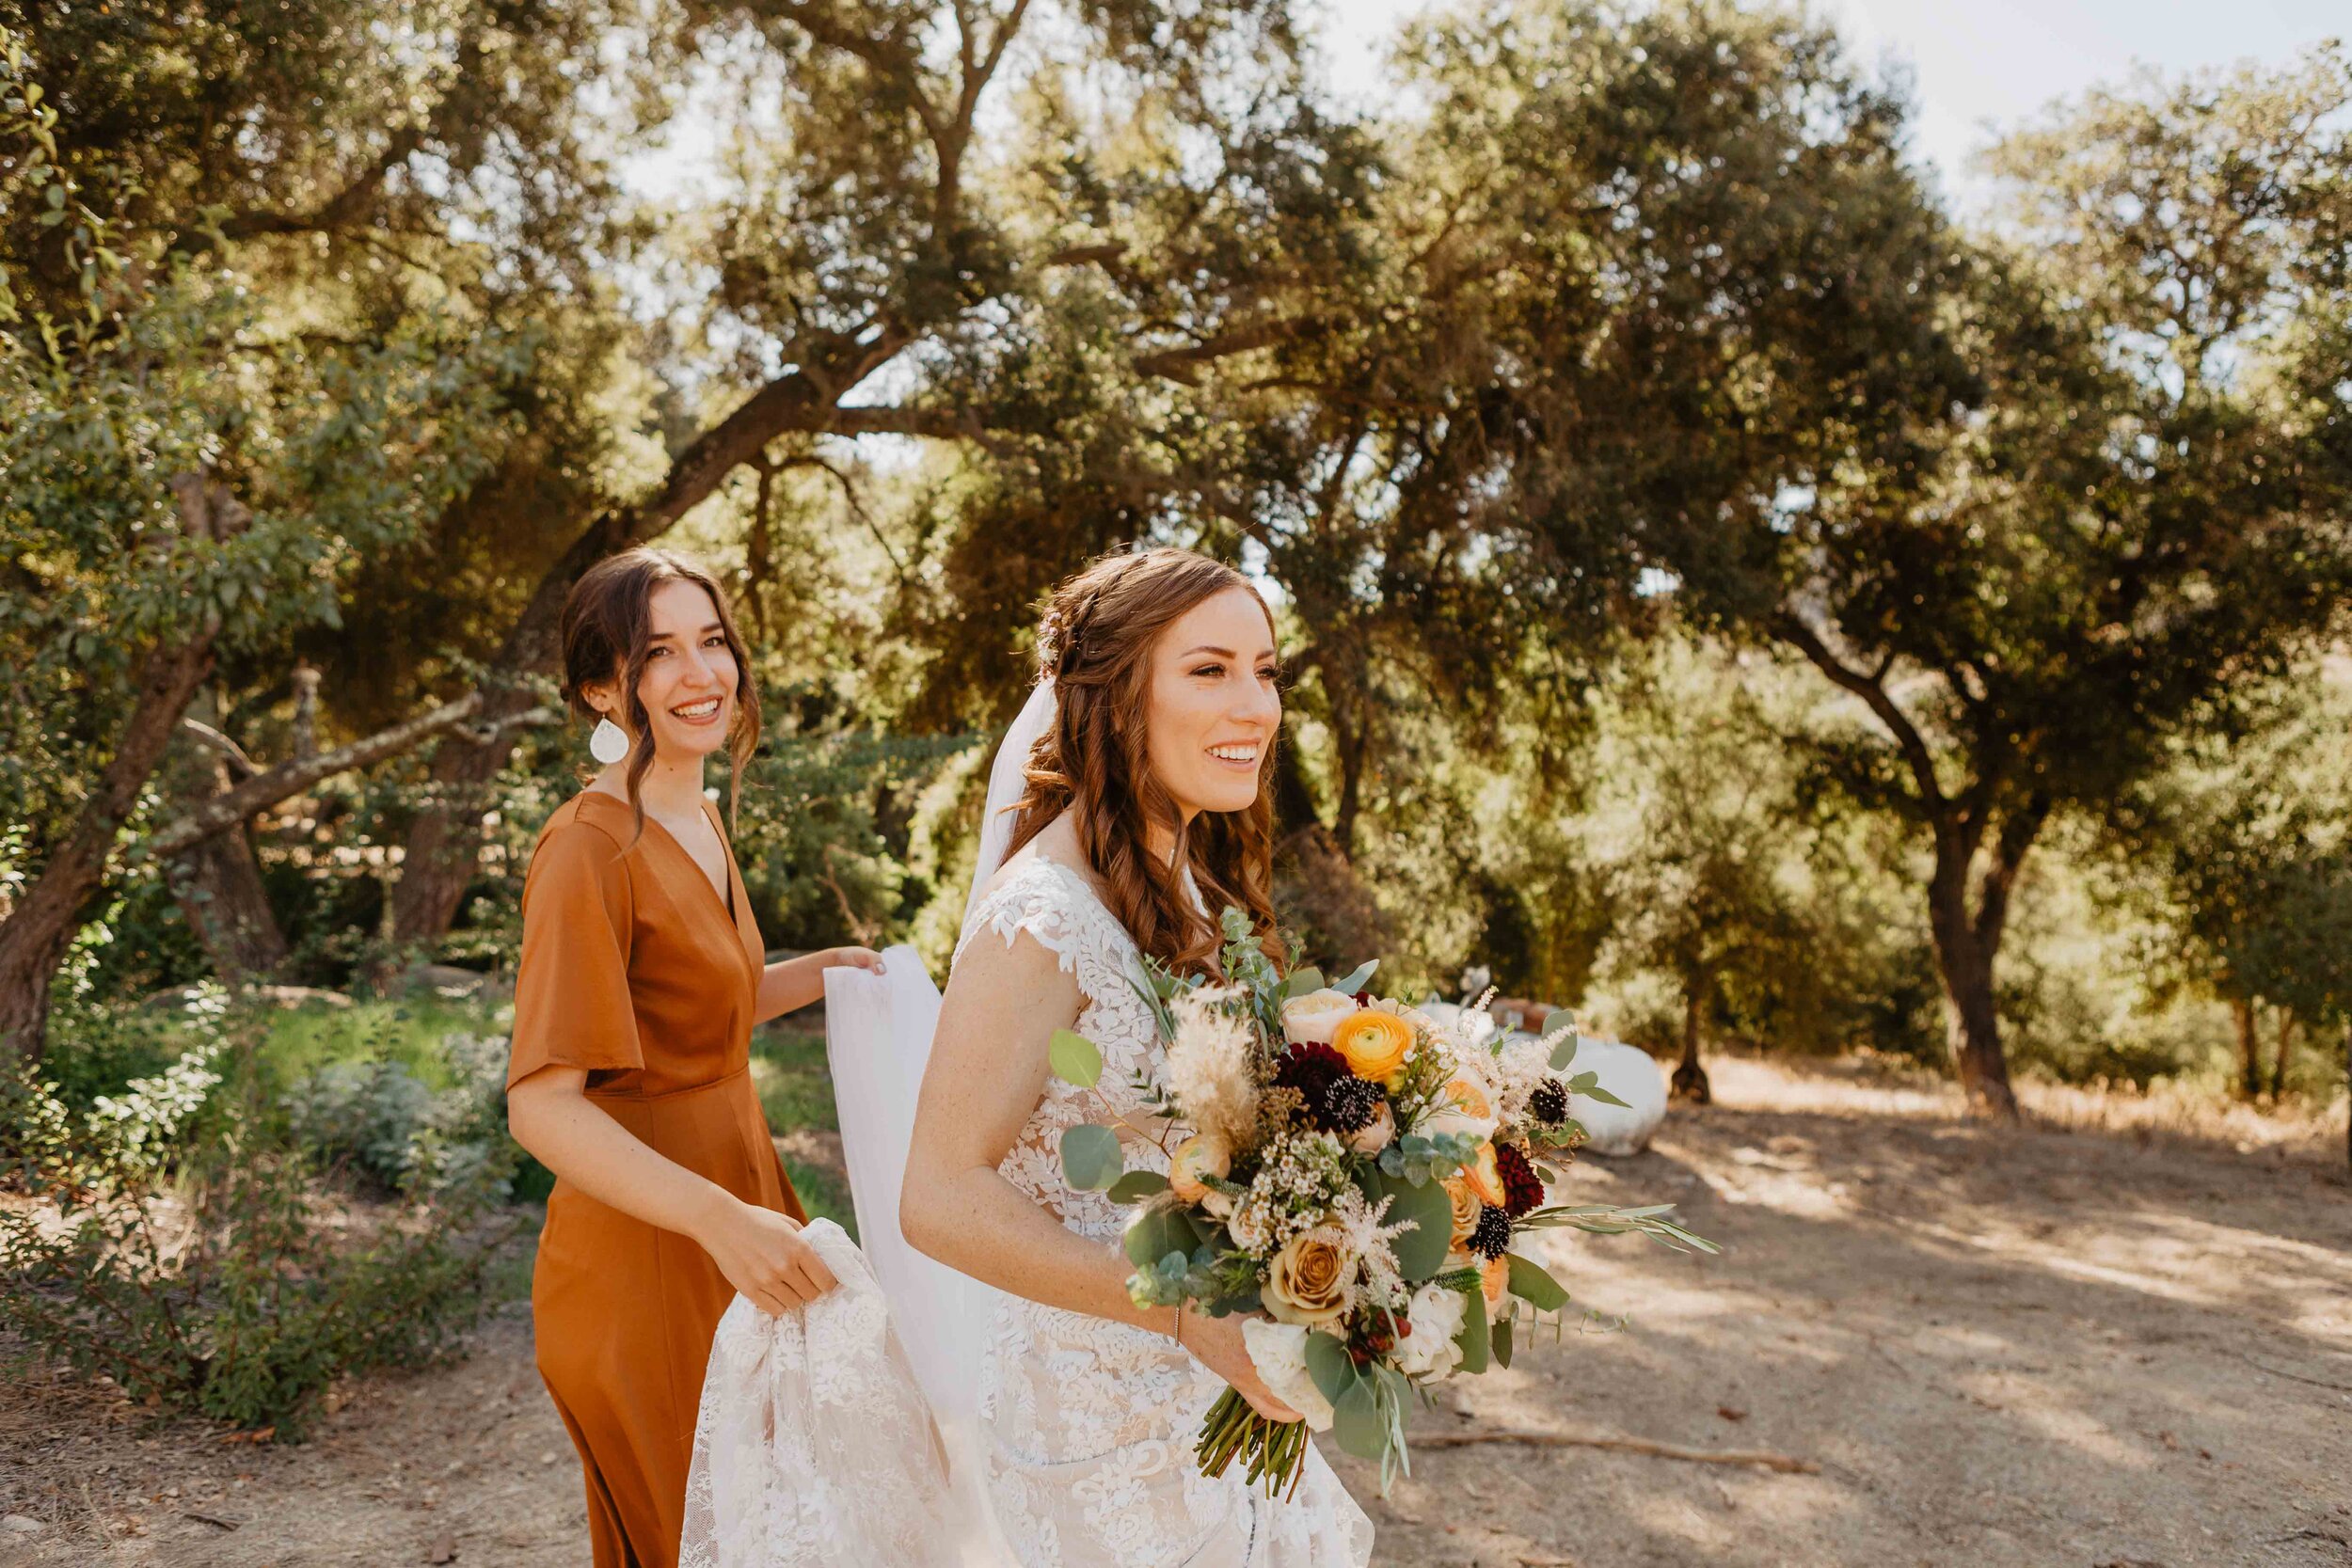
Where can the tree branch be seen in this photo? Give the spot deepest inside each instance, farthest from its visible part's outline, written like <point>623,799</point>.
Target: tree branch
<point>231,807</point>
<point>1181,364</point>
<point>1791,629</point>
<point>241,764</point>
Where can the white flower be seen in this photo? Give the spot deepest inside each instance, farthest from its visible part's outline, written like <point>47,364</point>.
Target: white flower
<point>1312,1018</point>
<point>1279,1351</point>
<point>1428,1352</point>
<point>1252,1226</point>
<point>1519,1070</point>
<point>1362,1230</point>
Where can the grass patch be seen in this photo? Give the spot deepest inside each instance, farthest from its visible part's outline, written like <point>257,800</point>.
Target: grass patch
<point>823,1194</point>
<point>795,1085</point>
<point>795,1088</point>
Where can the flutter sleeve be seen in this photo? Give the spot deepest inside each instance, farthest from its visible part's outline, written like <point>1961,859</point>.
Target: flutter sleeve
<point>572,1006</point>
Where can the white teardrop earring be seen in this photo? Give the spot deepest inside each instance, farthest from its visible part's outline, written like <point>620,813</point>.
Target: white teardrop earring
<point>609,744</point>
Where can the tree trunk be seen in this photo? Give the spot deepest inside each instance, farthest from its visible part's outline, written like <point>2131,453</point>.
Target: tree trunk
<point>444,843</point>
<point>1972,1029</point>
<point>1351,741</point>
<point>217,884</point>
<point>2287,1027</point>
<point>1966,946</point>
<point>1690,1079</point>
<point>39,930</point>
<point>2347,1094</point>
<point>2249,1048</point>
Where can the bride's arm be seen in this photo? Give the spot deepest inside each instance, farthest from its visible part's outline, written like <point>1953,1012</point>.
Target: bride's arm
<point>986,1075</point>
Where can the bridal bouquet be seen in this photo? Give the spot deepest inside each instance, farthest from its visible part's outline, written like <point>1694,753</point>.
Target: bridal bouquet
<point>1357,1171</point>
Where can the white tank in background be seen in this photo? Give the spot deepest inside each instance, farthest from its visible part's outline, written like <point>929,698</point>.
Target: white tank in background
<point>1627,1072</point>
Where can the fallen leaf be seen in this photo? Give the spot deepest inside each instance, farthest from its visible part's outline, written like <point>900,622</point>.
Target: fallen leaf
<point>1730,1414</point>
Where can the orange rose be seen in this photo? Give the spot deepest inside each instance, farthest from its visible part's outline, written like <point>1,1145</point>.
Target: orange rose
<point>1465,1207</point>
<point>1373,1042</point>
<point>1482,1177</point>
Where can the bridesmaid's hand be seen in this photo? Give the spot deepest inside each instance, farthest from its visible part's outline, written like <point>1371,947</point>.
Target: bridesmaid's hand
<point>765,1257</point>
<point>854,957</point>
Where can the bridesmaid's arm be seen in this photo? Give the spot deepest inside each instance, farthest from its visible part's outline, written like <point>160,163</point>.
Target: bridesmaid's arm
<point>986,1076</point>
<point>760,1251</point>
<point>793,984</point>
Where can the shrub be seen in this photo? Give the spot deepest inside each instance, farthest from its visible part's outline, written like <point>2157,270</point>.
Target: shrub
<point>380,1119</point>
<point>184,1249</point>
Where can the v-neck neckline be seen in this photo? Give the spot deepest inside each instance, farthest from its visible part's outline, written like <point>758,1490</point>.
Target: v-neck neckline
<point>726,861</point>
<point>724,901</point>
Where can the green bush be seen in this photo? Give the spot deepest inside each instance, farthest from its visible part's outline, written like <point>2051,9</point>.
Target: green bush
<point>182,1245</point>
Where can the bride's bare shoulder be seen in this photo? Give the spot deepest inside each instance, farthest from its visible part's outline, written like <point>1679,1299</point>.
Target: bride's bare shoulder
<point>1056,842</point>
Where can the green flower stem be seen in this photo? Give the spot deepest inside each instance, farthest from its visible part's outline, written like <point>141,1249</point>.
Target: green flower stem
<point>1272,1451</point>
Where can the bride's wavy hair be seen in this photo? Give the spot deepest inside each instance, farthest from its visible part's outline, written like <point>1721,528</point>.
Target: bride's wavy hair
<point>606,634</point>
<point>1095,644</point>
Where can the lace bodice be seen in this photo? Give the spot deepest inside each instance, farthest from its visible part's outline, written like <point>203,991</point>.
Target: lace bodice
<point>1062,913</point>
<point>1090,1422</point>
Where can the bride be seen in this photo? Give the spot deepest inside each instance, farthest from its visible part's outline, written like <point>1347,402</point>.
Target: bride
<point>1147,807</point>
<point>1129,802</point>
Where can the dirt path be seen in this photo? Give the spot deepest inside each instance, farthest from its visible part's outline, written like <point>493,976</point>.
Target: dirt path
<point>2030,1347</point>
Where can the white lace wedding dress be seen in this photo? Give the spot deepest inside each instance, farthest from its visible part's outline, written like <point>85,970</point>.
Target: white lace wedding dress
<point>1089,1425</point>
<point>851,1433</point>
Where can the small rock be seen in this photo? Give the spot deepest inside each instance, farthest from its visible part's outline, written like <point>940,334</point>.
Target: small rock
<point>18,1523</point>
<point>443,1550</point>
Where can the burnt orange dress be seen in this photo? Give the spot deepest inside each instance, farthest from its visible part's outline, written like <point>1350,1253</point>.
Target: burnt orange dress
<point>634,968</point>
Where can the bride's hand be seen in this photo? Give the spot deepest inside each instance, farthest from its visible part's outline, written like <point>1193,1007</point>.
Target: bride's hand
<point>1217,1343</point>
<point>764,1257</point>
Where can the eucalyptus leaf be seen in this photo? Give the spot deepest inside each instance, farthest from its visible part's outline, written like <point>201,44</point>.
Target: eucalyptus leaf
<point>1331,1366</point>
<point>1156,1231</point>
<point>1420,1251</point>
<point>1502,1342</point>
<point>1136,1185</point>
<point>1356,1421</point>
<point>1559,1018</point>
<point>1090,1157</point>
<point>1564,1052</point>
<point>1597,1092</point>
<point>1075,1058</point>
<point>1531,1284</point>
<point>1301,982</point>
<point>1473,1339</point>
<point>1359,977</point>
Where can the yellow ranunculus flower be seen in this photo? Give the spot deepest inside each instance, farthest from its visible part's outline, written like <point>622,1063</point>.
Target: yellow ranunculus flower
<point>1373,1042</point>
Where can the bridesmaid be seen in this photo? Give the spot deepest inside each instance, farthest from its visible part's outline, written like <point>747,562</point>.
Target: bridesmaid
<point>641,976</point>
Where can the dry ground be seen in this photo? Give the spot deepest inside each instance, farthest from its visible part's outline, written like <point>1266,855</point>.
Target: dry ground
<point>2040,1348</point>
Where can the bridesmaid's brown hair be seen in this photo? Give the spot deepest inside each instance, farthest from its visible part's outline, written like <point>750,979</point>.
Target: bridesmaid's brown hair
<point>607,622</point>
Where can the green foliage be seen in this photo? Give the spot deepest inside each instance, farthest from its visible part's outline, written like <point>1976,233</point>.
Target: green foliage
<point>177,1245</point>
<point>796,1093</point>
